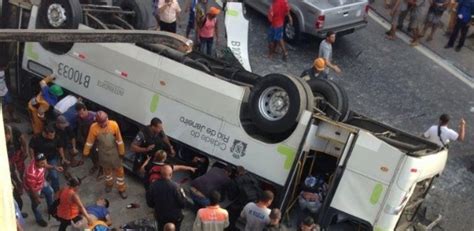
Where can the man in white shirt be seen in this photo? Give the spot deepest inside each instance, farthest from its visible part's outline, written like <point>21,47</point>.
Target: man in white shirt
<point>442,135</point>
<point>169,14</point>
<point>325,52</point>
<point>256,215</point>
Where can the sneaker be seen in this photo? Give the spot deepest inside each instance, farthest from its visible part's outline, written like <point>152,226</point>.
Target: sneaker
<point>123,195</point>
<point>42,223</point>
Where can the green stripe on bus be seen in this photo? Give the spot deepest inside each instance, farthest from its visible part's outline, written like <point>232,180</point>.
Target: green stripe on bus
<point>30,53</point>
<point>378,229</point>
<point>154,103</point>
<point>289,152</point>
<point>376,193</point>
<point>231,12</point>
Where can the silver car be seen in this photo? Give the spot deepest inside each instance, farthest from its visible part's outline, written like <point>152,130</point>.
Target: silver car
<point>316,17</point>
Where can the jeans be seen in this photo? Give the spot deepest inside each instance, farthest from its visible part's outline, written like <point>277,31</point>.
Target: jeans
<point>53,174</point>
<point>460,26</point>
<point>48,194</point>
<point>206,45</point>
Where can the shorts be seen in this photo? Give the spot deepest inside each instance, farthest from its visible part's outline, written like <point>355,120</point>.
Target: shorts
<point>6,99</point>
<point>433,18</point>
<point>275,34</point>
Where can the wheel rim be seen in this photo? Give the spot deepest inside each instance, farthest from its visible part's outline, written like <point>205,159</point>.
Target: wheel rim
<point>56,15</point>
<point>290,31</point>
<point>274,103</point>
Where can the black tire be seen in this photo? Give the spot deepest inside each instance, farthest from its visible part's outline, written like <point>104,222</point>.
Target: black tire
<point>292,38</point>
<point>73,16</point>
<point>333,95</point>
<point>309,93</point>
<point>269,121</point>
<point>142,18</point>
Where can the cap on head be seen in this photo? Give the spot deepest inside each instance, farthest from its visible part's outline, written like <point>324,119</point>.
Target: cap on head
<point>62,121</point>
<point>214,11</point>
<point>56,90</point>
<point>101,117</point>
<point>40,157</point>
<point>319,64</point>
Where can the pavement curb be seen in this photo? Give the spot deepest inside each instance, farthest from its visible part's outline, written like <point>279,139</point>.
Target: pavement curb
<point>452,65</point>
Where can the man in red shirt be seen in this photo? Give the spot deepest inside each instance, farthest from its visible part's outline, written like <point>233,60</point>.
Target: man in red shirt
<point>34,183</point>
<point>277,13</point>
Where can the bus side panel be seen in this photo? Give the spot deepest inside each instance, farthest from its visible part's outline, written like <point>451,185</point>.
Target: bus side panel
<point>369,172</point>
<point>187,122</point>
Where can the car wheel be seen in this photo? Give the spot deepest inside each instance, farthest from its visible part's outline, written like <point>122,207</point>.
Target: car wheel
<point>141,18</point>
<point>330,98</point>
<point>59,14</point>
<point>292,33</point>
<point>276,103</point>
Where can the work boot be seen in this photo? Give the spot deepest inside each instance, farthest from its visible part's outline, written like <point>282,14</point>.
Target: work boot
<point>123,195</point>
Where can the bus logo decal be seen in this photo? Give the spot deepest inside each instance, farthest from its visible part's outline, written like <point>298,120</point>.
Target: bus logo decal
<point>238,149</point>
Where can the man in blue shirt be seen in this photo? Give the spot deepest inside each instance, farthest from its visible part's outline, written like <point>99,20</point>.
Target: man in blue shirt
<point>464,12</point>
<point>100,211</point>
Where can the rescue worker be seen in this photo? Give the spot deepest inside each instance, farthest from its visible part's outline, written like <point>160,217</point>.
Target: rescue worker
<point>40,104</point>
<point>316,71</point>
<point>148,141</point>
<point>111,150</point>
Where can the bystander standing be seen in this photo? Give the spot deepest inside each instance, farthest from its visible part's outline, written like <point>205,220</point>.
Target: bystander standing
<point>209,31</point>
<point>35,184</point>
<point>169,15</point>
<point>111,151</point>
<point>213,217</point>
<point>256,215</point>
<point>277,13</point>
<point>464,14</point>
<point>167,199</point>
<point>442,135</point>
<point>50,145</point>
<point>325,52</point>
<point>433,18</point>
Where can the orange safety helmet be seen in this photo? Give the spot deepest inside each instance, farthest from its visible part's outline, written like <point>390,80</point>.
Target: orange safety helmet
<point>101,118</point>
<point>319,64</point>
<point>214,11</point>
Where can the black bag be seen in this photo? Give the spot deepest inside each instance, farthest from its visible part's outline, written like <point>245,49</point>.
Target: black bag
<point>53,210</point>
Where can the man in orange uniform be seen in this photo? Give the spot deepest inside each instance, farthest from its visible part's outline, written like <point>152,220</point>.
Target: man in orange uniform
<point>111,150</point>
<point>213,217</point>
<point>39,105</point>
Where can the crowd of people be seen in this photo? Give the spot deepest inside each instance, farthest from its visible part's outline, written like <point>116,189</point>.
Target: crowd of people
<point>460,11</point>
<point>64,129</point>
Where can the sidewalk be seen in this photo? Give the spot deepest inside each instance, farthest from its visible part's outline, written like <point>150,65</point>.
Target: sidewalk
<point>463,60</point>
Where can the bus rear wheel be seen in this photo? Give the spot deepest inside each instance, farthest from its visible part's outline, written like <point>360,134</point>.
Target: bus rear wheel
<point>276,103</point>
<point>59,14</point>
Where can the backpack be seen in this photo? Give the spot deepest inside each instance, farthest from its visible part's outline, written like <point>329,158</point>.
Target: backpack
<point>53,210</point>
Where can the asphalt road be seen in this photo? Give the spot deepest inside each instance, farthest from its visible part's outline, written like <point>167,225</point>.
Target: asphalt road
<point>395,84</point>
